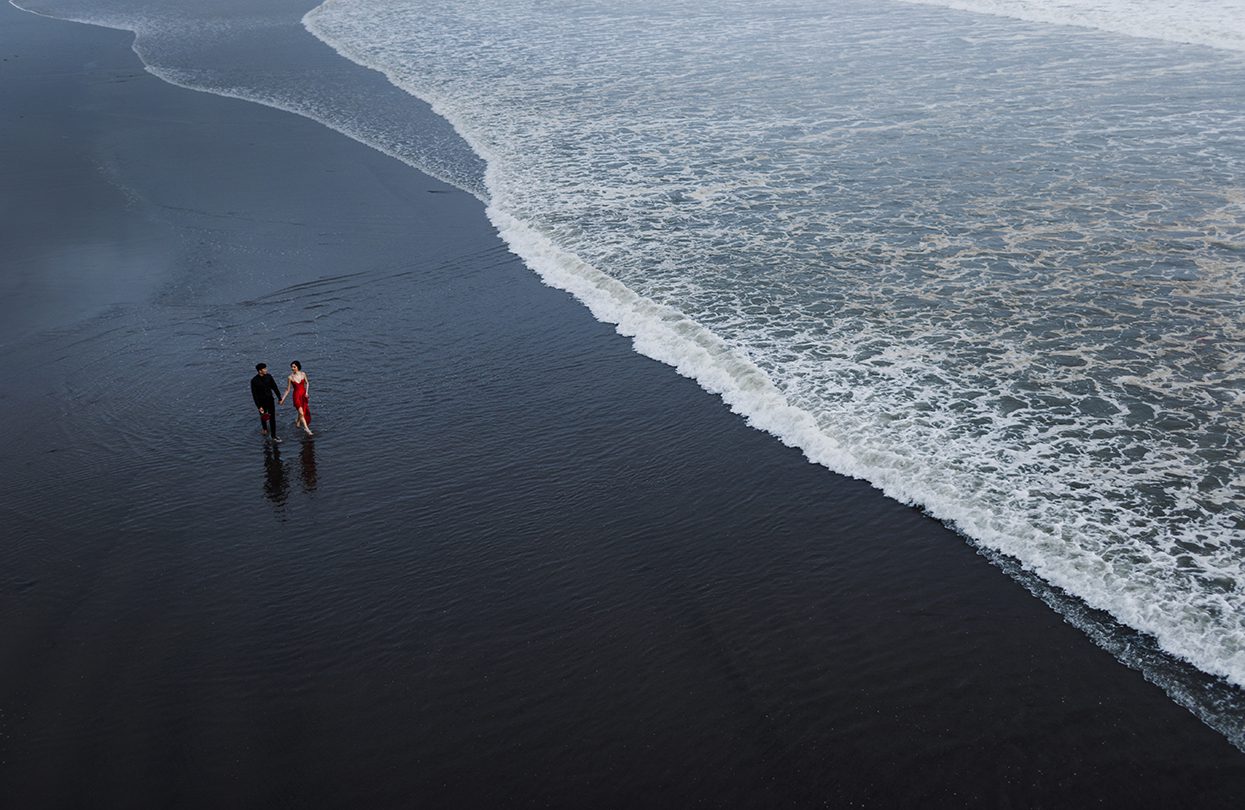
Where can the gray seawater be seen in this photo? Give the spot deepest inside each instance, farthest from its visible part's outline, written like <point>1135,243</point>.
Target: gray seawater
<point>994,269</point>
<point>991,266</point>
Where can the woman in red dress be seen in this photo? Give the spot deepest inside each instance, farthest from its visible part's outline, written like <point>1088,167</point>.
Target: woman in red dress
<point>298,381</point>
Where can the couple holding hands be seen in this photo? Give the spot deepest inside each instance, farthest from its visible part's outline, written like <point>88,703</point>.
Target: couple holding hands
<point>263,390</point>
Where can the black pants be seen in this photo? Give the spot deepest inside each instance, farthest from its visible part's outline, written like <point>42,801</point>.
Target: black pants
<point>269,424</point>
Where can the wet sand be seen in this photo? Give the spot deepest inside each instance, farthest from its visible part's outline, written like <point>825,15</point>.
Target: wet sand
<point>519,564</point>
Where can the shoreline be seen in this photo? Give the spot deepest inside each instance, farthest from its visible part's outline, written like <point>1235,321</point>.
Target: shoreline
<point>1178,654</point>
<point>659,560</point>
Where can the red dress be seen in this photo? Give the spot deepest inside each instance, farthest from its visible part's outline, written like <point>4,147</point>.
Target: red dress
<point>300,399</point>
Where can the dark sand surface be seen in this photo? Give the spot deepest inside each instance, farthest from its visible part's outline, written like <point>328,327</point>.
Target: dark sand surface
<point>519,564</point>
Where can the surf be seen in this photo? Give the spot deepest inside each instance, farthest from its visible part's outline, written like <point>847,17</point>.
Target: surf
<point>1023,480</point>
<point>1216,24</point>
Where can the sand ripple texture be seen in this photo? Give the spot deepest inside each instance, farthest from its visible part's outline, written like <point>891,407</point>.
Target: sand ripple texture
<point>993,267</point>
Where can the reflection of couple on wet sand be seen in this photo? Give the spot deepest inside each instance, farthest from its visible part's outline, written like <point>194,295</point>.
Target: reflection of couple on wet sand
<point>264,391</point>
<point>276,485</point>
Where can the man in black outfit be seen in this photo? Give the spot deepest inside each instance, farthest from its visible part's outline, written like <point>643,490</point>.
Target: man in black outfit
<point>263,391</point>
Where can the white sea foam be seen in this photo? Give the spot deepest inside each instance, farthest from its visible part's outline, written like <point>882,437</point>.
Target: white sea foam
<point>1217,23</point>
<point>232,55</point>
<point>994,350</point>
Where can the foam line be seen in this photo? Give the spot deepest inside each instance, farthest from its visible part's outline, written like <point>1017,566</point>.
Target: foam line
<point>723,367</point>
<point>342,125</point>
<point>1215,24</point>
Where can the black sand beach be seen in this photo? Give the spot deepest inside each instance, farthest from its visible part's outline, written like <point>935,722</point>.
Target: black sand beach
<point>519,564</point>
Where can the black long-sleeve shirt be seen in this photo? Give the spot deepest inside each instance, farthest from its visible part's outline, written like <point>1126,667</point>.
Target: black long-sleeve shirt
<point>264,391</point>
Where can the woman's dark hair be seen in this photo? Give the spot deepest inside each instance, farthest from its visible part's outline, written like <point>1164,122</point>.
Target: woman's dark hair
<point>261,366</point>
<point>296,365</point>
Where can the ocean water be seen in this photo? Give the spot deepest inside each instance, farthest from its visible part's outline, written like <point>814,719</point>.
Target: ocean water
<point>992,268</point>
<point>1217,23</point>
<point>990,263</point>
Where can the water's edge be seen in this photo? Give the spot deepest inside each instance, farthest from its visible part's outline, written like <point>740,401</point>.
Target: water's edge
<point>664,334</point>
<point>172,78</point>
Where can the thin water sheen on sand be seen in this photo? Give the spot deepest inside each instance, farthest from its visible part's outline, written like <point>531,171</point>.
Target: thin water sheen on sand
<point>519,563</point>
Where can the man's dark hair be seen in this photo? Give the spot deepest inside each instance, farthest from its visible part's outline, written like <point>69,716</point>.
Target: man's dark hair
<point>261,366</point>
